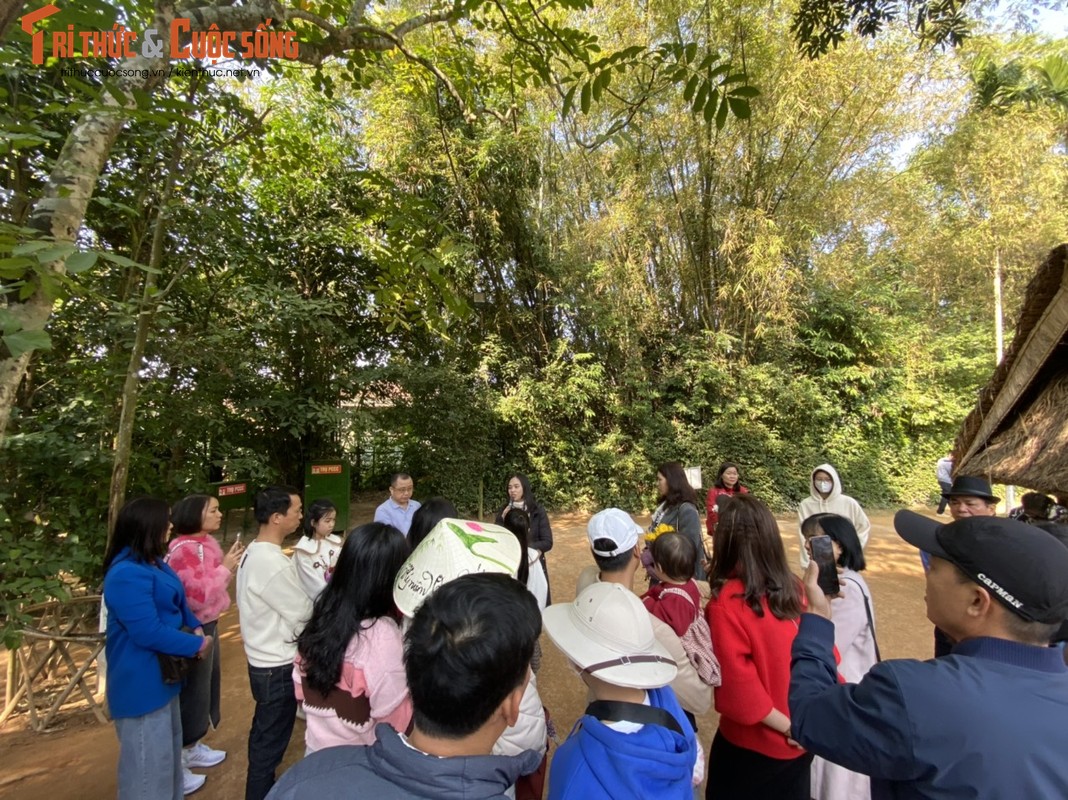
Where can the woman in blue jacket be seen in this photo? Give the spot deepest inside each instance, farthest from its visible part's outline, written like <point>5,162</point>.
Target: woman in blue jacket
<point>146,613</point>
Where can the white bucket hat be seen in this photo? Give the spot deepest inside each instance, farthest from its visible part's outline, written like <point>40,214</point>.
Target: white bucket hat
<point>606,631</point>
<point>453,548</point>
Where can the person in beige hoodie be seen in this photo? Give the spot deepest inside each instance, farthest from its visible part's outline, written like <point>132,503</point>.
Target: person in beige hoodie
<point>825,496</point>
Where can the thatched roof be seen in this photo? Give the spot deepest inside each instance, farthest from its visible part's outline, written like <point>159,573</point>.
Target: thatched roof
<point>1018,431</point>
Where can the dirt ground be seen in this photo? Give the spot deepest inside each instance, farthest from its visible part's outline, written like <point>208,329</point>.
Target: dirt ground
<point>77,759</point>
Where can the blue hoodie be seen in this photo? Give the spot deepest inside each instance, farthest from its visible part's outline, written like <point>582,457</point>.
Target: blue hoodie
<point>599,762</point>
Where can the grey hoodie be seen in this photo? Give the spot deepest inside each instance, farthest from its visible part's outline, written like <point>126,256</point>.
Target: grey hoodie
<point>392,770</point>
<point>834,503</point>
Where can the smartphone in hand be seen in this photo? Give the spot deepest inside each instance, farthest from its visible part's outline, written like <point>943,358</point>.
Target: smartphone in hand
<point>823,555</point>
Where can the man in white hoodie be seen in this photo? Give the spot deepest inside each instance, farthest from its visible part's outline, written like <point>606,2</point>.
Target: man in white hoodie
<point>825,490</point>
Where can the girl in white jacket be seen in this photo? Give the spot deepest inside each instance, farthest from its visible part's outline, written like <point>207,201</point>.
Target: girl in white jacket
<point>825,490</point>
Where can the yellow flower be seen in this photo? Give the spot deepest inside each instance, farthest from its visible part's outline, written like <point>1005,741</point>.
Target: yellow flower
<point>655,532</point>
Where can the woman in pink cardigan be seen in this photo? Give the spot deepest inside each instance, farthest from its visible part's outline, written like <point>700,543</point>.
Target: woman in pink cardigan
<point>205,574</point>
<point>349,670</point>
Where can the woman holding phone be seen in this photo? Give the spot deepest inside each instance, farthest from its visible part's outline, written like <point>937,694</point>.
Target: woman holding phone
<point>205,573</point>
<point>854,636</point>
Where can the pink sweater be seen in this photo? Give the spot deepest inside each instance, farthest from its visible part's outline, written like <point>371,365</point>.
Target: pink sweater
<point>198,560</point>
<point>373,665</point>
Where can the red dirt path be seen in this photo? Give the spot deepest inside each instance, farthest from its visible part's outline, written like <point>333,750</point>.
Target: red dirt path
<point>78,759</point>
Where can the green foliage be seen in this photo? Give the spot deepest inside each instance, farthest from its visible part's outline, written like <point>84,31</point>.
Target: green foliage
<point>566,240</point>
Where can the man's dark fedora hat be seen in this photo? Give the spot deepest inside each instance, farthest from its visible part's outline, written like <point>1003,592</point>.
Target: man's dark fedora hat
<point>968,486</point>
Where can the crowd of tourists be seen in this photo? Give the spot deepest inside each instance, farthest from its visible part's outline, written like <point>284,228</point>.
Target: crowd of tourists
<point>411,647</point>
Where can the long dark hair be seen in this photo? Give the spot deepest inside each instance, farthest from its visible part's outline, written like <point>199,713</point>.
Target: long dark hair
<point>747,545</point>
<point>518,522</point>
<point>529,500</point>
<point>361,589</point>
<point>528,494</point>
<point>427,516</point>
<point>142,526</point>
<point>726,465</point>
<point>679,490</point>
<point>316,511</point>
<point>840,530</point>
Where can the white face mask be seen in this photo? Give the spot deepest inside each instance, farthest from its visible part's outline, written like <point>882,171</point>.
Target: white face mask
<point>824,486</point>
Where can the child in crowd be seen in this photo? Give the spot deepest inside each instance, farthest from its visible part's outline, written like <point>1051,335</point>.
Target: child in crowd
<point>316,554</point>
<point>349,670</point>
<point>854,638</point>
<point>633,740</point>
<point>531,574</point>
<point>675,599</point>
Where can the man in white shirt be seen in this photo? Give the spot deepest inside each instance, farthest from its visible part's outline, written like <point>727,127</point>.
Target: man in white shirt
<point>273,608</point>
<point>944,473</point>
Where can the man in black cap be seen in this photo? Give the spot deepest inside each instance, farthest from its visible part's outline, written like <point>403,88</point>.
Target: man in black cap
<point>967,497</point>
<point>986,721</point>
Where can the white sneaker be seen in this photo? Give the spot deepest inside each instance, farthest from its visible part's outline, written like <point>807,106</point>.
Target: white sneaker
<point>191,781</point>
<point>200,755</point>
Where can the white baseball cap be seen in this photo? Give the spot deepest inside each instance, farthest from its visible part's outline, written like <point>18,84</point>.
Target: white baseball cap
<point>615,525</point>
<point>607,632</point>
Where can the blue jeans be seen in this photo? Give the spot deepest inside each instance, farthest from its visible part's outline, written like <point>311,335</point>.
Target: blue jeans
<point>150,754</point>
<point>272,725</point>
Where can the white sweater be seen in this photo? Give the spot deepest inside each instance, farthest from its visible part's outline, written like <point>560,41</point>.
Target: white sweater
<point>272,605</point>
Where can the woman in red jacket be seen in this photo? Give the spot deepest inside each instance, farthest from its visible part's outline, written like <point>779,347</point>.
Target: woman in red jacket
<point>728,483</point>
<point>753,613</point>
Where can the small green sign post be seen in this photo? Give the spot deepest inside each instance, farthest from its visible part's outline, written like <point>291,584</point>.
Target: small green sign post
<point>329,478</point>
<point>234,496</point>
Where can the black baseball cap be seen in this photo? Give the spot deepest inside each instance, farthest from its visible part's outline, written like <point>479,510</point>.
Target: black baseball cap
<point>1023,567</point>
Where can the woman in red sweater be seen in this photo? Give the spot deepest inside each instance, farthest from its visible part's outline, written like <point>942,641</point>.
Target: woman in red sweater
<point>753,613</point>
<point>728,484</point>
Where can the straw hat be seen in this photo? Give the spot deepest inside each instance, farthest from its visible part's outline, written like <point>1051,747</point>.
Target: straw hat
<point>454,547</point>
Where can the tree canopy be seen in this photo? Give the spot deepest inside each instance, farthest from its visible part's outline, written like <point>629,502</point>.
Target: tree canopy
<point>465,238</point>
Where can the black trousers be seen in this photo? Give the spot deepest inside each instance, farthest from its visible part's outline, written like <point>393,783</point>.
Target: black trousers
<point>200,697</point>
<point>736,773</point>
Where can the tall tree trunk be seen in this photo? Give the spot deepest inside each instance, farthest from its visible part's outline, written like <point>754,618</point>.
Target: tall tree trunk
<point>60,212</point>
<point>150,299</point>
<point>120,467</point>
<point>12,371</point>
<point>10,10</point>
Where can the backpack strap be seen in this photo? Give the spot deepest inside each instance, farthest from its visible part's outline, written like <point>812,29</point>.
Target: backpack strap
<point>200,550</point>
<point>680,592</point>
<point>871,620</point>
<point>683,593</point>
<point>618,711</point>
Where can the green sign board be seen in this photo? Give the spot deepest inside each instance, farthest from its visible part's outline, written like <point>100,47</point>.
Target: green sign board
<point>329,478</point>
<point>234,496</point>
